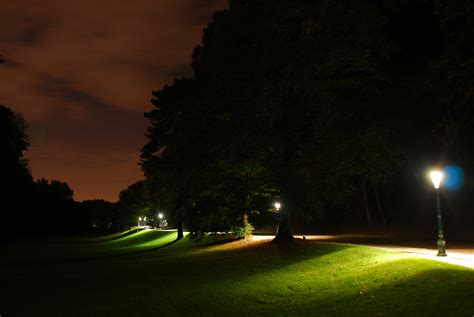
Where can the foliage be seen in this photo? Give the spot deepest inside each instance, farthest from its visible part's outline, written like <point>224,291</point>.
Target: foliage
<point>41,207</point>
<point>134,202</point>
<point>55,212</point>
<point>101,214</point>
<point>243,231</point>
<point>16,183</point>
<point>320,104</point>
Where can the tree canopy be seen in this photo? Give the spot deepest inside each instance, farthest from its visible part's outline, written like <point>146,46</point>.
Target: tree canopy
<point>319,104</point>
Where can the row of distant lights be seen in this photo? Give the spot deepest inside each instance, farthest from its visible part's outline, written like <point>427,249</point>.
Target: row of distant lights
<point>160,216</point>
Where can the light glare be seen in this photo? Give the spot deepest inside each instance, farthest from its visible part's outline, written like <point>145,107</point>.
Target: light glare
<point>277,206</point>
<point>436,178</point>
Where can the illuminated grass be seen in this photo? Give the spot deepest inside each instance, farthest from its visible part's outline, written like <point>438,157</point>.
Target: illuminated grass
<point>239,279</point>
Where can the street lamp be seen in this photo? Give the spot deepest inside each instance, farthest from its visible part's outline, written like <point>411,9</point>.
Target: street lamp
<point>138,224</point>
<point>160,216</point>
<point>436,178</point>
<point>277,206</point>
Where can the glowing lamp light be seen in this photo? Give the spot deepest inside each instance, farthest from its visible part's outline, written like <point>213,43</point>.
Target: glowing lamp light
<point>436,178</point>
<point>277,206</point>
<point>160,215</point>
<point>139,218</point>
<point>144,219</point>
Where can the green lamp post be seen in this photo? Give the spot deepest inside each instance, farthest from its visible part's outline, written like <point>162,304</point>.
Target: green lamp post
<point>436,178</point>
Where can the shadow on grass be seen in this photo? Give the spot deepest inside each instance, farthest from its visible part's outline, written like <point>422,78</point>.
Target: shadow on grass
<point>309,278</point>
<point>124,245</point>
<point>117,255</point>
<point>267,256</point>
<point>280,281</point>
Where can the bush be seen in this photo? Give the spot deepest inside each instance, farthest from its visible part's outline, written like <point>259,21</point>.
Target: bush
<point>242,232</point>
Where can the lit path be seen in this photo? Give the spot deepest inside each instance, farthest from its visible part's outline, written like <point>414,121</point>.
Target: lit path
<point>464,257</point>
<point>458,254</point>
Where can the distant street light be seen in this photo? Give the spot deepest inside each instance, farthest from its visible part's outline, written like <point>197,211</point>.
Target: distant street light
<point>162,222</point>
<point>277,206</point>
<point>436,178</point>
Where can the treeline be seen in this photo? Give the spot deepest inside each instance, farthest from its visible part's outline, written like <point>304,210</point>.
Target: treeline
<point>31,207</point>
<point>334,108</point>
<point>39,207</point>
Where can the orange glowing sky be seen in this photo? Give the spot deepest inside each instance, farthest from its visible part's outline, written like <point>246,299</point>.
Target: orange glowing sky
<point>82,71</point>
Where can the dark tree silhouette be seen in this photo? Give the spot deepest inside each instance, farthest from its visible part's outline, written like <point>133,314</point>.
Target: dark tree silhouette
<point>171,158</point>
<point>28,207</point>
<point>101,215</point>
<point>16,181</point>
<point>134,201</point>
<point>317,104</point>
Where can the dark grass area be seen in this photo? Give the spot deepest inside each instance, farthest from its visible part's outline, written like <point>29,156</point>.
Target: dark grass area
<point>237,279</point>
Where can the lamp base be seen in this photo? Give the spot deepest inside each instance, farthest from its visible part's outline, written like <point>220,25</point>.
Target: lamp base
<point>441,247</point>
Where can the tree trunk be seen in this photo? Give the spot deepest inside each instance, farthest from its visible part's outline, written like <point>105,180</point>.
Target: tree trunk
<point>245,219</point>
<point>179,224</point>
<point>379,205</point>
<point>283,234</point>
<point>179,214</point>
<point>245,215</point>
<point>366,202</point>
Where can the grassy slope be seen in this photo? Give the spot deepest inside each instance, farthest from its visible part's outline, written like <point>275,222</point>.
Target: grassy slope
<point>234,279</point>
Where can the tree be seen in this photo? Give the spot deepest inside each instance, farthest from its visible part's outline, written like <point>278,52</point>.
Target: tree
<point>101,215</point>
<point>174,153</point>
<point>16,181</point>
<point>134,202</point>
<point>287,75</point>
<point>318,104</point>
<point>55,212</point>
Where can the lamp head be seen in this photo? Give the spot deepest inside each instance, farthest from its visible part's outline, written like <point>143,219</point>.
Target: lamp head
<point>436,178</point>
<point>277,206</point>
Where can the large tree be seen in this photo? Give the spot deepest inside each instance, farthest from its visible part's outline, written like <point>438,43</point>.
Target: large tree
<point>323,100</point>
<point>286,75</point>
<point>176,150</point>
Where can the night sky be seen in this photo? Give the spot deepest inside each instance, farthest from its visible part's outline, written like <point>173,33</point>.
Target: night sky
<point>81,72</point>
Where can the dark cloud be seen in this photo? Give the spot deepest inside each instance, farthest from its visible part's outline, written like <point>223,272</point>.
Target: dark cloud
<point>23,30</point>
<point>32,34</point>
<point>63,89</point>
<point>10,63</point>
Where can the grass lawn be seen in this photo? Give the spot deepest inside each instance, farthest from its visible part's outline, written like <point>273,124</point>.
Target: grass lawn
<point>142,274</point>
